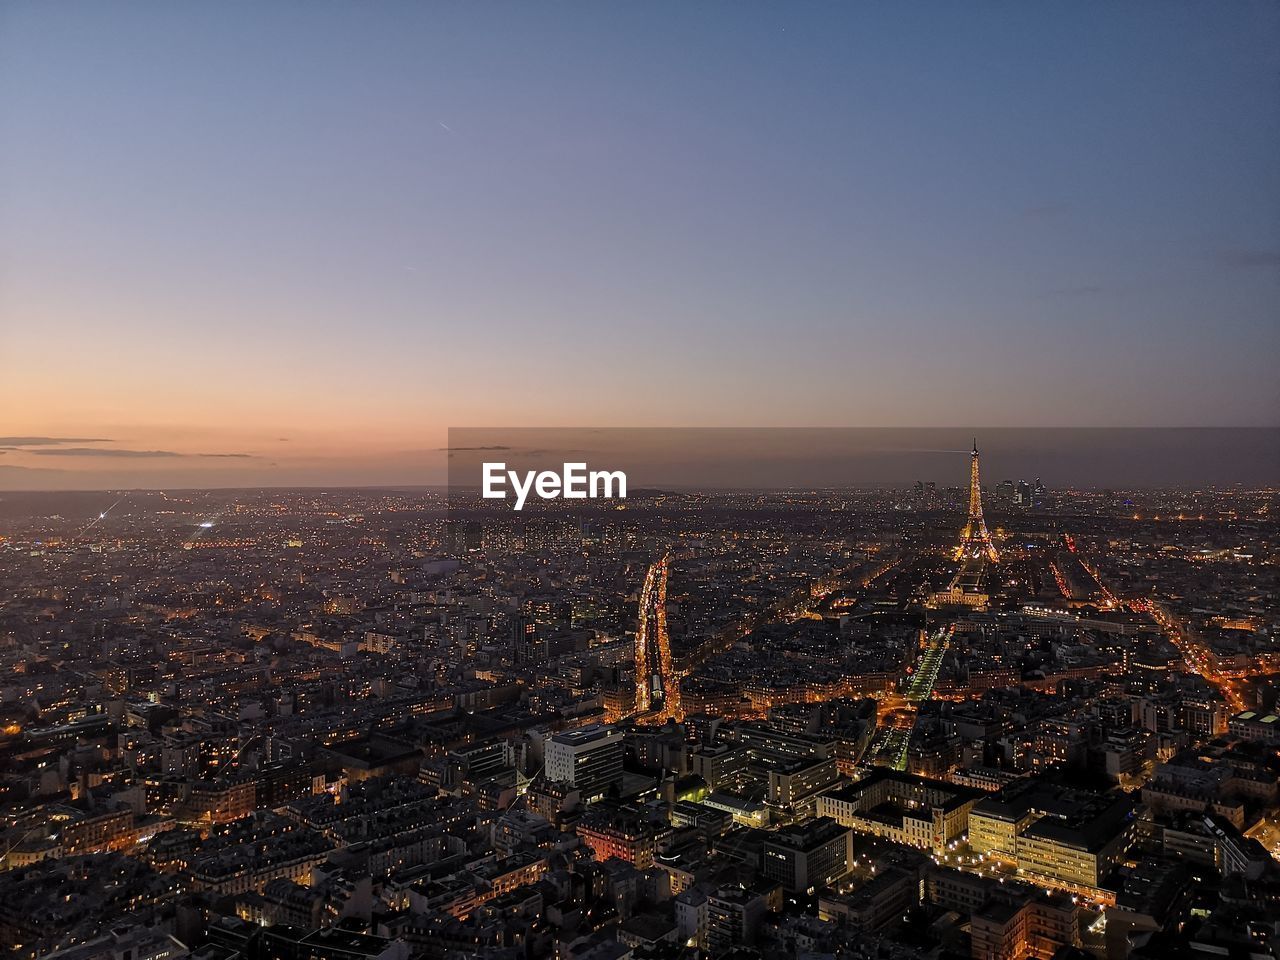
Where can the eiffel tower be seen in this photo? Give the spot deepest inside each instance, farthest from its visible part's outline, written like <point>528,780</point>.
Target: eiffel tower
<point>975,541</point>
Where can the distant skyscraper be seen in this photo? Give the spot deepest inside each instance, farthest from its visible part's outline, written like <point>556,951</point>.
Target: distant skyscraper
<point>1022,496</point>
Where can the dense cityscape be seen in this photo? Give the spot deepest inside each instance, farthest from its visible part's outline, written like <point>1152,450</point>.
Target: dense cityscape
<point>975,717</point>
<point>665,480</point>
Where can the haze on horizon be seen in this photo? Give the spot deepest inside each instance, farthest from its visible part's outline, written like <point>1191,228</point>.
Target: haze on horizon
<point>247,244</point>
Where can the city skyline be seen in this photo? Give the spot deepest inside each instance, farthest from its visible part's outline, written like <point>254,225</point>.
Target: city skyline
<point>708,458</point>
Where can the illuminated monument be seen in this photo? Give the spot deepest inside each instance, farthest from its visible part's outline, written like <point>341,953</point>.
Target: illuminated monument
<point>975,552</point>
<point>975,541</point>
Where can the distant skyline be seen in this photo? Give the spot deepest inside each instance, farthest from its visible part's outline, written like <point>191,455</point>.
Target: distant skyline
<point>735,458</point>
<point>287,243</point>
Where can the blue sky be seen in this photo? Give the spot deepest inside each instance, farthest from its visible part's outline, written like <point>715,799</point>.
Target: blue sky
<point>354,225</point>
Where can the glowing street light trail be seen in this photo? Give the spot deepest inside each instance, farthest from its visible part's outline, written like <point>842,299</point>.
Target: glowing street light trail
<point>652,635</point>
<point>642,643</point>
<point>921,686</point>
<point>894,740</point>
<point>1198,657</point>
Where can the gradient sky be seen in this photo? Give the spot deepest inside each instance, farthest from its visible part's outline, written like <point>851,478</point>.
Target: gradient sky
<point>313,236</point>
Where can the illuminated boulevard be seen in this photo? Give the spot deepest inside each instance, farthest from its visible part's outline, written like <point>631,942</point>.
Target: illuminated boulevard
<point>655,669</point>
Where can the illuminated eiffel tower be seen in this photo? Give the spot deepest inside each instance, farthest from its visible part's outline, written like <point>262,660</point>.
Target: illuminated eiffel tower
<point>975,541</point>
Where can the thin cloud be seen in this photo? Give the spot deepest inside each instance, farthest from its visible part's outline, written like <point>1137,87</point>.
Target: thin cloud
<point>12,442</point>
<point>1045,211</point>
<point>1080,290</point>
<point>119,453</point>
<point>13,469</point>
<point>524,451</point>
<point>1251,258</point>
<point>101,452</point>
